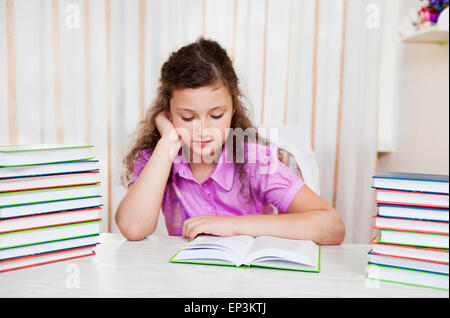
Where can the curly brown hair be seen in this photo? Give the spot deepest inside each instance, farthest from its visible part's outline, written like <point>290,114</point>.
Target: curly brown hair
<point>199,64</point>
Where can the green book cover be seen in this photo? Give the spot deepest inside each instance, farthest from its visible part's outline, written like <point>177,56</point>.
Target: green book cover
<point>404,282</point>
<point>37,230</point>
<point>38,147</point>
<point>47,189</point>
<point>37,154</point>
<point>417,243</point>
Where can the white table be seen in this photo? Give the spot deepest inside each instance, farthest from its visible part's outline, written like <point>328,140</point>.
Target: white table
<point>123,268</point>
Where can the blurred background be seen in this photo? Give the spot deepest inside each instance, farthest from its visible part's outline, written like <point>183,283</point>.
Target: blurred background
<point>368,81</point>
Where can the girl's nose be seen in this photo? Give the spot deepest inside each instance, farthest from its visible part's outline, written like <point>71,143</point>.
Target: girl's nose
<point>200,127</point>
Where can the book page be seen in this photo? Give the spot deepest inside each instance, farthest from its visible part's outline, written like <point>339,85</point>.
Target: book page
<point>206,255</point>
<point>265,248</point>
<point>232,249</point>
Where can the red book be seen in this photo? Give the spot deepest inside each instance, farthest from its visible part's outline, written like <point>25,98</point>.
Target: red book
<point>36,221</point>
<point>49,181</point>
<point>409,198</point>
<point>411,225</point>
<point>45,258</point>
<point>428,254</point>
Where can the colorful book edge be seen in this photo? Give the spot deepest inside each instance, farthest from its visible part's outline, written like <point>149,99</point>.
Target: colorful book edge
<point>38,147</point>
<point>403,283</point>
<point>413,176</point>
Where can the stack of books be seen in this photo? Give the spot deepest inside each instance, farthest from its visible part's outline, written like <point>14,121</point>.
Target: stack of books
<point>49,204</point>
<point>412,220</point>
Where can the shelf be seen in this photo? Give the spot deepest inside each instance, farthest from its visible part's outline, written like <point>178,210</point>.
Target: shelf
<point>429,35</point>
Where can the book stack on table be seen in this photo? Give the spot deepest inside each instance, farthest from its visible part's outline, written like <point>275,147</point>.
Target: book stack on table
<point>412,218</point>
<point>49,204</point>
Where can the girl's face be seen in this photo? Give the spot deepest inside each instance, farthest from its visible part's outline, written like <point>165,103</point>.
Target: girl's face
<point>202,117</point>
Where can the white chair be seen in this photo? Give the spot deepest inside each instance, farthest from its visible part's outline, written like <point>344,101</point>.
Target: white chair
<point>296,140</point>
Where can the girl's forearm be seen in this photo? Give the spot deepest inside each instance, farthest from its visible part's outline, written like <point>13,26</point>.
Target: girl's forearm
<point>322,226</point>
<point>137,213</point>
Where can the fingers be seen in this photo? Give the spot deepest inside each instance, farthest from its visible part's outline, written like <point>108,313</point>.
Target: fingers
<point>196,230</point>
<point>192,227</point>
<point>189,224</point>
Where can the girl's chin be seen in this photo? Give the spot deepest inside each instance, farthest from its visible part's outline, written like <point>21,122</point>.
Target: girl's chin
<point>206,152</point>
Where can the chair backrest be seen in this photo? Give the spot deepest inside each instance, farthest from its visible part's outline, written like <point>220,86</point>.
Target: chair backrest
<point>296,140</point>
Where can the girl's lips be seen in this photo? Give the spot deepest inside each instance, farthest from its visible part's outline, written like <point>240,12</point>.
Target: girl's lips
<point>203,143</point>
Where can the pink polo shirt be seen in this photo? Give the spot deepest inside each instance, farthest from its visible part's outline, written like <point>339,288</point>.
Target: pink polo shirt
<point>272,182</point>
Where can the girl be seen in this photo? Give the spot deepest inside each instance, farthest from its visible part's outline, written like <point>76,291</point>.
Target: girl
<point>191,159</point>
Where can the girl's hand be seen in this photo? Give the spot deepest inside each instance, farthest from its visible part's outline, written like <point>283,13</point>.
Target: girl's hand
<point>169,134</point>
<point>209,224</point>
<point>165,126</point>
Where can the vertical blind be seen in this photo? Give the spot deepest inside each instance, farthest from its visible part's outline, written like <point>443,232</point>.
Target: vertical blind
<point>85,71</point>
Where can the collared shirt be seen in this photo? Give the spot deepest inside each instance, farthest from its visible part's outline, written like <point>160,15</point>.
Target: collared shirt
<point>272,184</point>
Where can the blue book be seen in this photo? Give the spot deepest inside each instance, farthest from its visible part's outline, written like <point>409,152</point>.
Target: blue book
<point>414,182</point>
<point>49,247</point>
<point>408,263</point>
<point>413,212</point>
<point>49,169</point>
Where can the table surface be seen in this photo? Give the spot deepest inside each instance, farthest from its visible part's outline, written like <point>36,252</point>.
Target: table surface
<point>123,268</point>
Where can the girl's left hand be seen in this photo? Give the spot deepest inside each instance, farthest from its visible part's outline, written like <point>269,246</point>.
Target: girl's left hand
<point>209,224</point>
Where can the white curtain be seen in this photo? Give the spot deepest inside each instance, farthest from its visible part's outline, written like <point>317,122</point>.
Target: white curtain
<point>84,71</point>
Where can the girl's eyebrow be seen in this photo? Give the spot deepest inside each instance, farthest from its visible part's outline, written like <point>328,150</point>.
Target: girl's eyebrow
<point>190,110</point>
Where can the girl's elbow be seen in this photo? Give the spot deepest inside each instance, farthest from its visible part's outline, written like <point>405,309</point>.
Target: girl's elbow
<point>133,236</point>
<point>133,233</point>
<point>336,233</point>
<point>340,234</point>
<point>339,230</point>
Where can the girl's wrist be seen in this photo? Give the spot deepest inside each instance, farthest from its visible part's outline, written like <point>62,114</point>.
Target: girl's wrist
<point>238,225</point>
<point>170,145</point>
<point>253,224</point>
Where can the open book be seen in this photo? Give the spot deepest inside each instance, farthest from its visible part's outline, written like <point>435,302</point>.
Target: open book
<point>247,251</point>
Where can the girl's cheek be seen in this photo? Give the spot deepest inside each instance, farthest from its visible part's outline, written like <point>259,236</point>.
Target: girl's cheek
<point>183,129</point>
<point>186,135</point>
<point>226,129</point>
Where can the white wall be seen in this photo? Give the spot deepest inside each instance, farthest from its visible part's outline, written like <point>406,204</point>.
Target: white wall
<point>420,97</point>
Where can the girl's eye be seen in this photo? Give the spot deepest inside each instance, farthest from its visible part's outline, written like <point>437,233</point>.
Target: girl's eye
<point>191,118</point>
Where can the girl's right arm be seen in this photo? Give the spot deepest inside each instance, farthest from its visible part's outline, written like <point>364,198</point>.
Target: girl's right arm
<point>137,213</point>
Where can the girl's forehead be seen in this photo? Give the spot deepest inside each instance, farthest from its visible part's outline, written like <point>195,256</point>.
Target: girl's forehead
<point>202,98</point>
